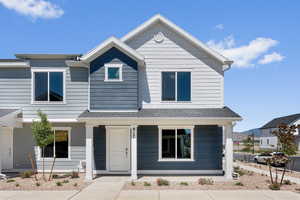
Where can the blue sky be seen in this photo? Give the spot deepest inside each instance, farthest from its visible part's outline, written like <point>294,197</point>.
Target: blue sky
<point>262,36</point>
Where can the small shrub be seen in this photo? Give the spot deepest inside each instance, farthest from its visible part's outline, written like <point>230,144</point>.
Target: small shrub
<point>17,185</point>
<point>37,184</point>
<point>287,182</point>
<point>274,186</point>
<point>58,183</point>
<point>65,181</point>
<point>147,184</point>
<point>239,184</point>
<point>162,182</point>
<point>10,181</point>
<point>132,183</point>
<point>74,174</point>
<point>75,184</point>
<point>55,176</point>
<point>241,172</point>
<point>297,189</point>
<point>26,174</point>
<point>184,183</point>
<point>205,181</point>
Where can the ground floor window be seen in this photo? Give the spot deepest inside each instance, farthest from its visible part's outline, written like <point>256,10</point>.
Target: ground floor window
<point>176,144</point>
<point>59,148</point>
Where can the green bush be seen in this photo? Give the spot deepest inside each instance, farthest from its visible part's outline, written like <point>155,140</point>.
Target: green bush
<point>162,182</point>
<point>184,183</point>
<point>10,181</point>
<point>132,183</point>
<point>205,181</point>
<point>58,183</point>
<point>274,186</point>
<point>17,185</point>
<point>147,183</point>
<point>239,184</point>
<point>37,184</point>
<point>55,176</point>
<point>27,174</point>
<point>287,182</point>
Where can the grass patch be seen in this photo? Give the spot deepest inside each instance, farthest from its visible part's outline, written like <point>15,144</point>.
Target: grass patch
<point>239,184</point>
<point>132,183</point>
<point>184,183</point>
<point>274,186</point>
<point>10,181</point>
<point>37,184</point>
<point>147,184</point>
<point>58,183</point>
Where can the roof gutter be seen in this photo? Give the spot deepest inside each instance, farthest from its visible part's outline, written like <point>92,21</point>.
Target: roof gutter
<point>14,64</point>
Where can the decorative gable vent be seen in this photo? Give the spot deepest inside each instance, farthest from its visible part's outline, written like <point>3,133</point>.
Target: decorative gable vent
<point>159,37</point>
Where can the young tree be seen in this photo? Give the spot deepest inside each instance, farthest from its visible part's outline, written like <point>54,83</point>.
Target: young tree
<point>248,144</point>
<point>43,134</point>
<point>287,145</point>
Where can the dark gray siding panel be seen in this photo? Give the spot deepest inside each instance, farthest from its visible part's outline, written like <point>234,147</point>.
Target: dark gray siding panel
<point>113,95</point>
<point>48,63</point>
<point>100,147</point>
<point>24,144</point>
<point>207,150</point>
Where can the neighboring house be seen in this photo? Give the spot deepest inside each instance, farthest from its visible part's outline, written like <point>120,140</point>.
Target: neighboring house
<point>151,102</point>
<point>268,140</point>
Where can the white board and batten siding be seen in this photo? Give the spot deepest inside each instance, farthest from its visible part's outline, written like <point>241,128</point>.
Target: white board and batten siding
<point>175,53</point>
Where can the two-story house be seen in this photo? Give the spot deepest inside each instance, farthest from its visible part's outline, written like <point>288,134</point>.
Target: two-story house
<point>151,102</point>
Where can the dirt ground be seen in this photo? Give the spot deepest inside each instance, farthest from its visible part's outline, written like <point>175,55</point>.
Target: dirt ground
<point>250,181</point>
<point>62,182</point>
<point>265,167</point>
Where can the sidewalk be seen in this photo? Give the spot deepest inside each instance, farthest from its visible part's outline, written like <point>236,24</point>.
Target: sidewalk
<point>207,195</point>
<point>260,171</point>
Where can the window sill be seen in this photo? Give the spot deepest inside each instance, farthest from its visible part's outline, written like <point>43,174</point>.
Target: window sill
<point>47,103</point>
<point>57,159</point>
<point>176,160</point>
<point>177,102</point>
<point>112,80</point>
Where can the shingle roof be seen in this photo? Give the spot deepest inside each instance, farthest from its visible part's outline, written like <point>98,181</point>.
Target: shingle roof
<point>167,113</point>
<point>281,120</point>
<point>4,112</point>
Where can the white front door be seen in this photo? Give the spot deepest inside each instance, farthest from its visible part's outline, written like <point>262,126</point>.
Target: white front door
<point>119,149</point>
<point>6,147</point>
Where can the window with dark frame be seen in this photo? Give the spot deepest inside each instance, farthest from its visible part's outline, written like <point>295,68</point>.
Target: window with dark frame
<point>176,86</point>
<point>48,87</point>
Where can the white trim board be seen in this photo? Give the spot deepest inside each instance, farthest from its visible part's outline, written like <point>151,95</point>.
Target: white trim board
<point>167,172</point>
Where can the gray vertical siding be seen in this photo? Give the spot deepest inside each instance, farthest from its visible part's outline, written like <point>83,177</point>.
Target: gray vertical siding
<point>113,95</point>
<point>15,90</point>
<point>100,147</point>
<point>24,144</point>
<point>207,150</point>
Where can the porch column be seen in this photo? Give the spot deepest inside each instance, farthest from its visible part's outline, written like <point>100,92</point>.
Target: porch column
<point>133,131</point>
<point>228,151</point>
<point>89,152</point>
<point>2,176</point>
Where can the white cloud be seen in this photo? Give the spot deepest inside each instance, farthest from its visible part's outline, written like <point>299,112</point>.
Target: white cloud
<point>219,26</point>
<point>245,55</point>
<point>269,58</point>
<point>34,8</point>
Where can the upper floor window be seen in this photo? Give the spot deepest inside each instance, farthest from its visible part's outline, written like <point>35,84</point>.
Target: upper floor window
<point>48,86</point>
<point>113,72</point>
<point>176,86</point>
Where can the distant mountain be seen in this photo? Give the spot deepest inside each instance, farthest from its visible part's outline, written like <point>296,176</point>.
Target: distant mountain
<point>256,131</point>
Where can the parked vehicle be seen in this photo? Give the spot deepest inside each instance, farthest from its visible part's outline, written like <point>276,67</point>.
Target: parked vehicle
<point>263,157</point>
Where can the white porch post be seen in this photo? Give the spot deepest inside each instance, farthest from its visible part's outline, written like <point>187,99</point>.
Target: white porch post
<point>133,131</point>
<point>2,176</point>
<point>228,151</point>
<point>89,152</point>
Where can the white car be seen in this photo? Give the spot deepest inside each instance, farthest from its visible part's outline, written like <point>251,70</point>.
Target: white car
<point>262,158</point>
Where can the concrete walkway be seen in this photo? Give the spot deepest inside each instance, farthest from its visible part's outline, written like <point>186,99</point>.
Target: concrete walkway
<point>260,171</point>
<point>103,188</point>
<point>36,195</point>
<point>207,195</point>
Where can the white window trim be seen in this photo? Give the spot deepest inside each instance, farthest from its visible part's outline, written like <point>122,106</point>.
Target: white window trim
<point>120,66</point>
<point>175,101</point>
<point>160,159</point>
<point>33,85</point>
<point>39,152</point>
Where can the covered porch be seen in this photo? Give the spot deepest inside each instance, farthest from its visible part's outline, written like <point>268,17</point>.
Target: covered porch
<point>157,142</point>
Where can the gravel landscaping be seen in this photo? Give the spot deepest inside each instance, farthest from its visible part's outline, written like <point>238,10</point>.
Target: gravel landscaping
<point>59,182</point>
<point>249,181</point>
<point>266,167</point>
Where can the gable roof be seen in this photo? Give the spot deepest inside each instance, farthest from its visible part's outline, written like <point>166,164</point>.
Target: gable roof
<point>281,120</point>
<point>158,18</point>
<point>109,43</point>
